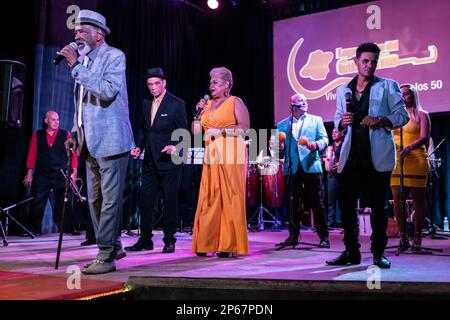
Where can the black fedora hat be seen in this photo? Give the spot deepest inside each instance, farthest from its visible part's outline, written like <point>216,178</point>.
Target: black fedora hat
<point>155,72</point>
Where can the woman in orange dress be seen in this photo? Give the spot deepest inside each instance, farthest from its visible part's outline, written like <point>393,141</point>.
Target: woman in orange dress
<point>416,133</point>
<point>220,224</point>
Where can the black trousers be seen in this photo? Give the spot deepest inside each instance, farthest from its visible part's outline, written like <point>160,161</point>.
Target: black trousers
<point>40,190</point>
<point>166,183</point>
<point>312,184</point>
<point>352,181</point>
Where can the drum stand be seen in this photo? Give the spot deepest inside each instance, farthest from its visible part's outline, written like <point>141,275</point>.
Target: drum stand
<point>260,211</point>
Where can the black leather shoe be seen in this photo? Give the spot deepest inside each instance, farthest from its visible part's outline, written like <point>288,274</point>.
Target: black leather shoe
<point>140,245</point>
<point>290,241</point>
<point>324,243</point>
<point>88,242</point>
<point>381,262</point>
<point>201,254</point>
<point>169,248</point>
<point>223,254</point>
<point>345,258</point>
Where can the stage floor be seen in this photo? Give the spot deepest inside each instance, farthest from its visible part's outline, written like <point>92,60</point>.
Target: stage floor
<point>27,265</point>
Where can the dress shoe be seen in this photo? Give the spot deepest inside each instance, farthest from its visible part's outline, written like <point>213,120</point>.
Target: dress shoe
<point>201,254</point>
<point>169,248</point>
<point>290,241</point>
<point>345,258</point>
<point>324,243</point>
<point>140,245</point>
<point>223,254</point>
<point>381,262</point>
<point>99,267</point>
<point>87,243</point>
<point>120,254</point>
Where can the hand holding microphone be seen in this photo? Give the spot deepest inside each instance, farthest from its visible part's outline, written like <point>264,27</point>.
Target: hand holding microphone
<point>200,106</point>
<point>69,53</point>
<point>347,118</point>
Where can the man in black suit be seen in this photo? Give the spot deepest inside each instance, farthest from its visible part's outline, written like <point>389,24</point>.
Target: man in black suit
<point>165,114</point>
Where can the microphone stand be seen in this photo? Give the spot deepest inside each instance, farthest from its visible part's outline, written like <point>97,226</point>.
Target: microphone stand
<point>4,229</point>
<point>404,244</point>
<point>66,200</point>
<point>289,184</point>
<point>441,235</point>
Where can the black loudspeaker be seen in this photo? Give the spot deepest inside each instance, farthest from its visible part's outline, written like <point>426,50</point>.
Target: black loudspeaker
<point>12,75</point>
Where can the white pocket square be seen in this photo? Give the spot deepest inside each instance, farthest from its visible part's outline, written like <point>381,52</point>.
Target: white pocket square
<point>164,115</point>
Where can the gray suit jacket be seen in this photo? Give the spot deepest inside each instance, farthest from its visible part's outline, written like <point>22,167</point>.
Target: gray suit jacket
<point>385,101</point>
<point>106,122</point>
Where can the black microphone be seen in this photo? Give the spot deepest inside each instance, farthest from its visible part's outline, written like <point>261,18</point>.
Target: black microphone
<point>199,110</point>
<point>348,101</point>
<point>60,58</point>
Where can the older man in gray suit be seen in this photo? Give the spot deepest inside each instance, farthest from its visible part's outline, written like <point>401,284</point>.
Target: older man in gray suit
<point>102,131</point>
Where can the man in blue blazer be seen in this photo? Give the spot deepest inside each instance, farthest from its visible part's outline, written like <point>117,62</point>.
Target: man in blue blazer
<point>102,131</point>
<point>162,115</point>
<point>307,136</point>
<point>368,108</point>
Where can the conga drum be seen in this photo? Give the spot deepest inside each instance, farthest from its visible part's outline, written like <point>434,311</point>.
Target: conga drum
<point>253,178</point>
<point>273,184</point>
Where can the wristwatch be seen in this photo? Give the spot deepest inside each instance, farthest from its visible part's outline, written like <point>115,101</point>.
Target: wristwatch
<point>75,64</point>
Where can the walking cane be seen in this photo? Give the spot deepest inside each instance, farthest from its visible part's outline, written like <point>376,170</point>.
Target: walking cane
<point>66,200</point>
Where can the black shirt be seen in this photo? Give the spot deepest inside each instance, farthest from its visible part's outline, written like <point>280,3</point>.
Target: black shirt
<point>360,153</point>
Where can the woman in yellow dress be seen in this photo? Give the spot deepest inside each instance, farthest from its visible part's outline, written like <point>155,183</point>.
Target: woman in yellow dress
<point>416,133</point>
<point>220,224</point>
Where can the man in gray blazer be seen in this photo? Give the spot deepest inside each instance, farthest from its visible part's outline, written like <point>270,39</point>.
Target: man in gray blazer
<point>368,108</point>
<point>102,131</point>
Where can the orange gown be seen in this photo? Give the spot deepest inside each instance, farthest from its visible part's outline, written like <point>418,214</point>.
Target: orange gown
<point>220,223</point>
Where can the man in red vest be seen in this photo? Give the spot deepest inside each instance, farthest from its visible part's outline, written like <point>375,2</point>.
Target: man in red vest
<point>46,157</point>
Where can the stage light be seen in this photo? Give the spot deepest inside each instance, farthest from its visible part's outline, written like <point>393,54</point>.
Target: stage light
<point>213,4</point>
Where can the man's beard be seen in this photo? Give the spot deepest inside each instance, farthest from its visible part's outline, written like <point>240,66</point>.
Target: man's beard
<point>86,49</point>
